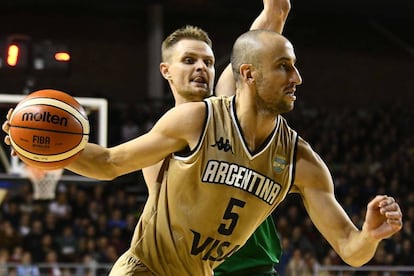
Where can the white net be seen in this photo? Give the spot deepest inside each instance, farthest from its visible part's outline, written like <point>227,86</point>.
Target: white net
<point>44,182</point>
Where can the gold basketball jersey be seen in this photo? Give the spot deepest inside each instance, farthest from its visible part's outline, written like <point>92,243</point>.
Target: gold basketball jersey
<point>214,197</point>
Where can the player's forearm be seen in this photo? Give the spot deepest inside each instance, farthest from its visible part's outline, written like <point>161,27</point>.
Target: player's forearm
<point>225,85</point>
<point>93,163</point>
<point>273,16</point>
<point>359,248</point>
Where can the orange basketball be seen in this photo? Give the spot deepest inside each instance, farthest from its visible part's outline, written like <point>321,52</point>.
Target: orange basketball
<point>48,129</point>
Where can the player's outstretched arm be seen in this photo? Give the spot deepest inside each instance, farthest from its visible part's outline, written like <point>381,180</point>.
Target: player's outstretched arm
<point>177,129</point>
<point>273,17</point>
<point>356,247</point>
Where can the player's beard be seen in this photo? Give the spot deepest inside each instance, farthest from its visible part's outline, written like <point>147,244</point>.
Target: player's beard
<point>273,108</point>
<point>196,94</point>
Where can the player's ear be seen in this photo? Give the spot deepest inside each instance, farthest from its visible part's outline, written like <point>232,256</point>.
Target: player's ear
<point>246,73</point>
<point>164,70</point>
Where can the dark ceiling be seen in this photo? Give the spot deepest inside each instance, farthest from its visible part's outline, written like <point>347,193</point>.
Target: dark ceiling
<point>396,9</point>
<point>331,38</point>
<point>396,16</point>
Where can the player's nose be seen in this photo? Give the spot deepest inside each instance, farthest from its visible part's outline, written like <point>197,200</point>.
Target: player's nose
<point>296,77</point>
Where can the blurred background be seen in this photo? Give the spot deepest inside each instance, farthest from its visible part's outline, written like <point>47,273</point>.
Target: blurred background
<point>355,107</point>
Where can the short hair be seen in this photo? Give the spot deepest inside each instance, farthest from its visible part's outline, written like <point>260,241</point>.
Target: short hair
<point>247,49</point>
<point>186,32</point>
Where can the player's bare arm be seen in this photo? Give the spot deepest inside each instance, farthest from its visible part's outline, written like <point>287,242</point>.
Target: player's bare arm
<point>178,128</point>
<point>356,247</point>
<point>272,17</point>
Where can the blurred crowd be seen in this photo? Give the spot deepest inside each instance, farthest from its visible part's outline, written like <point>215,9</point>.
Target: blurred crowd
<point>369,151</point>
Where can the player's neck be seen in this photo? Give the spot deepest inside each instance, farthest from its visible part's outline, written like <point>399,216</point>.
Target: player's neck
<point>256,125</point>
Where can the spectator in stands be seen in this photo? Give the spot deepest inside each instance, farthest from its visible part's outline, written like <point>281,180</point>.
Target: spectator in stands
<point>25,199</point>
<point>102,225</point>
<point>79,201</point>
<point>89,266</point>
<point>48,244</point>
<point>32,241</point>
<point>4,259</point>
<point>26,267</point>
<point>296,265</point>
<point>67,245</point>
<point>9,237</point>
<point>16,255</point>
<point>117,219</point>
<point>52,261</point>
<point>60,207</point>
<point>24,225</point>
<point>12,213</point>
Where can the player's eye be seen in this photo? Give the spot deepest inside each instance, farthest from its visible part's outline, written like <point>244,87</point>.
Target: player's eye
<point>188,60</point>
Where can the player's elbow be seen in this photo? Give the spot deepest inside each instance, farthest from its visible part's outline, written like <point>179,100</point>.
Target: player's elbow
<point>114,165</point>
<point>106,176</point>
<point>109,171</point>
<point>355,262</point>
<point>357,259</point>
<point>102,167</point>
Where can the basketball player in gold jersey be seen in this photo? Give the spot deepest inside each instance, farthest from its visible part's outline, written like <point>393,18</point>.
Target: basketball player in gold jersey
<point>264,248</point>
<point>233,160</point>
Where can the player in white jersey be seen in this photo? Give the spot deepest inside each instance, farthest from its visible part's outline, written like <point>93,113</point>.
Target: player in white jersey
<point>246,172</point>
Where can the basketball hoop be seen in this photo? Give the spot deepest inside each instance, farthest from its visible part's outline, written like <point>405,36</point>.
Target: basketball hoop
<point>44,182</point>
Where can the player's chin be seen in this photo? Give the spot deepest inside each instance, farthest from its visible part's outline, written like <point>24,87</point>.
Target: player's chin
<point>203,93</point>
<point>289,106</point>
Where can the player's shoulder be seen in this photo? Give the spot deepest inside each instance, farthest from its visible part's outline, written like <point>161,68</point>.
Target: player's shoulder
<point>188,109</point>
<point>305,150</point>
<point>303,144</point>
<point>309,164</point>
<point>193,111</point>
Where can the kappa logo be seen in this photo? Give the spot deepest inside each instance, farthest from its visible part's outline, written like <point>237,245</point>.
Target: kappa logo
<point>279,164</point>
<point>223,145</point>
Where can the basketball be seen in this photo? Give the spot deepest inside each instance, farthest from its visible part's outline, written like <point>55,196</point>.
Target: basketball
<point>48,129</point>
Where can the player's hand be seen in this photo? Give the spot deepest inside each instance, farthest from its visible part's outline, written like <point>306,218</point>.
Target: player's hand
<point>383,218</point>
<point>281,6</point>
<point>6,127</point>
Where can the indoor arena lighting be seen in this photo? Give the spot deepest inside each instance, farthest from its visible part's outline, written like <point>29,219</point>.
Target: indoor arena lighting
<point>12,55</point>
<point>62,56</point>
